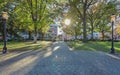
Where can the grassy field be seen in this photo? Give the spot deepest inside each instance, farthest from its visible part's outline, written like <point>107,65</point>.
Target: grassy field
<point>94,46</point>
<point>23,46</point>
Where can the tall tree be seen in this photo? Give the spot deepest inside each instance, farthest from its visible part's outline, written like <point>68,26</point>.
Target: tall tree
<point>92,15</point>
<point>81,6</point>
<point>108,9</point>
<point>37,11</point>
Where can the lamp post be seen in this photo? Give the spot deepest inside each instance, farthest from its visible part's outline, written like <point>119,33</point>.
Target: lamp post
<point>4,20</point>
<point>112,23</point>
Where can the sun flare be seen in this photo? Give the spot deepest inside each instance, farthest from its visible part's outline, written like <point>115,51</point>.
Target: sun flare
<point>67,21</point>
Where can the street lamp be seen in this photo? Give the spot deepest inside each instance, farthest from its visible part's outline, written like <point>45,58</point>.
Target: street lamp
<point>112,23</point>
<point>4,20</point>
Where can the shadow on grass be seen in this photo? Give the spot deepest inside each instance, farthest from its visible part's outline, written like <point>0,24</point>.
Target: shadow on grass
<point>37,47</point>
<point>22,53</point>
<point>94,46</point>
<point>48,59</point>
<point>26,48</point>
<point>20,56</point>
<point>48,62</point>
<point>52,63</point>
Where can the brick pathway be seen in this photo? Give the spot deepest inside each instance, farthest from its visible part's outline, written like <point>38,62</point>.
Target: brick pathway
<point>59,60</point>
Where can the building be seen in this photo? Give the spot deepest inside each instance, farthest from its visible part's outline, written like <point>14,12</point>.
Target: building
<point>55,31</point>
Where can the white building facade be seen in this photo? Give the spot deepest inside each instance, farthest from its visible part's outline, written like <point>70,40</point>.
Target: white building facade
<point>55,31</point>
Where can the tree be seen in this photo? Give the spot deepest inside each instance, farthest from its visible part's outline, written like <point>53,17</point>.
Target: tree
<point>117,31</point>
<point>108,9</point>
<point>36,11</point>
<point>81,6</point>
<point>93,17</point>
<point>45,25</point>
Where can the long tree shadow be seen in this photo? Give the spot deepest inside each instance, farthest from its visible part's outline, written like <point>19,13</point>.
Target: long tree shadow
<point>54,62</point>
<point>93,46</point>
<point>54,56</point>
<point>19,57</point>
<point>21,53</point>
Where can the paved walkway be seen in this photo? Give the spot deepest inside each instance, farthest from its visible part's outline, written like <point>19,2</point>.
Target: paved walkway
<point>59,60</point>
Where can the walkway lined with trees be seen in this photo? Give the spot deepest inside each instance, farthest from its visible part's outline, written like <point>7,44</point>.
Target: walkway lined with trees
<point>59,60</point>
<point>35,17</point>
<point>31,19</point>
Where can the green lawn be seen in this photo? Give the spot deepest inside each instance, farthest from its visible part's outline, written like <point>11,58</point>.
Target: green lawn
<point>94,46</point>
<point>23,46</point>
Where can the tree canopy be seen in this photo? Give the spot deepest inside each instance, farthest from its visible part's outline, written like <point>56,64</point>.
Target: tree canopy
<point>35,16</point>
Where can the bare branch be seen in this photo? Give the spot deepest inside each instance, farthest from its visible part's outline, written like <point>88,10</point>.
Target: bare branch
<point>80,14</point>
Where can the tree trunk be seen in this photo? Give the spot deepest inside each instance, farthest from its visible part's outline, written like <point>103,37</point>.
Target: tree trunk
<point>84,30</point>
<point>103,36</point>
<point>35,37</point>
<point>29,32</point>
<point>84,25</point>
<point>35,34</point>
<point>75,33</point>
<point>42,36</point>
<point>92,35</point>
<point>92,31</point>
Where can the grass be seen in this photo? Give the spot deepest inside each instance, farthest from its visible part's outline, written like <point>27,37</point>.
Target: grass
<point>23,46</point>
<point>94,46</point>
